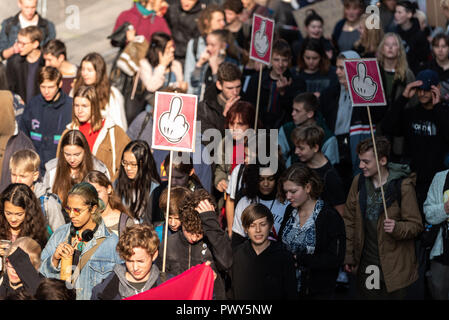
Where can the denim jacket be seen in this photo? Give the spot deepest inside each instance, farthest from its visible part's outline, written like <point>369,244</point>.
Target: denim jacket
<point>99,266</point>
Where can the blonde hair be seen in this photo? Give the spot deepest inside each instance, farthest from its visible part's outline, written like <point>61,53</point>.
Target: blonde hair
<point>31,247</point>
<point>27,159</point>
<point>370,38</point>
<point>401,60</point>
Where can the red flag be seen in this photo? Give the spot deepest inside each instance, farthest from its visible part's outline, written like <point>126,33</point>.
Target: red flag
<point>197,283</point>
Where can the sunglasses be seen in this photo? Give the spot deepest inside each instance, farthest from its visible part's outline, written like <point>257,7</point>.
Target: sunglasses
<point>76,211</point>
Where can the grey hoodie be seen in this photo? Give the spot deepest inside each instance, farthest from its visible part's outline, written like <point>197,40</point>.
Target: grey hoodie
<point>126,289</point>
<point>51,206</point>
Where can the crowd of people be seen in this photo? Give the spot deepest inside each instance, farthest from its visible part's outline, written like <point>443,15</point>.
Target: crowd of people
<point>84,198</point>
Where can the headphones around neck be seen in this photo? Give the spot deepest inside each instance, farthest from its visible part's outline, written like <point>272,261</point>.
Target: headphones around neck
<point>86,235</point>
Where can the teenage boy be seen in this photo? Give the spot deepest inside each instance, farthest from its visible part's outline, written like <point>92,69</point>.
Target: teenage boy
<point>138,247</point>
<point>309,141</point>
<point>376,244</point>
<point>47,114</point>
<point>55,55</point>
<point>24,166</point>
<point>26,17</point>
<point>306,112</point>
<point>22,68</point>
<point>261,268</point>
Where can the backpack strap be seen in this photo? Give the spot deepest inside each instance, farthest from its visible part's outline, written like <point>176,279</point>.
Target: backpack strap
<point>85,258</point>
<point>144,124</point>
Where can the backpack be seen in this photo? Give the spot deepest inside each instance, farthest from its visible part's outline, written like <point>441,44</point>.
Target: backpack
<point>43,201</point>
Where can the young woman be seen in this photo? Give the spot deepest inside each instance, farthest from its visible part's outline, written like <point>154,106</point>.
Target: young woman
<point>116,216</point>
<point>105,138</point>
<point>369,39</point>
<point>346,31</point>
<point>85,236</point>
<point>137,179</point>
<point>314,30</point>
<point>21,215</point>
<point>93,72</point>
<point>74,160</point>
<point>312,231</point>
<point>314,67</point>
<point>440,62</point>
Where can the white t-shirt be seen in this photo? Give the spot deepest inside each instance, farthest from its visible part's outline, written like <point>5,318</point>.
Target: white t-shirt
<point>25,23</point>
<point>232,183</point>
<point>277,209</point>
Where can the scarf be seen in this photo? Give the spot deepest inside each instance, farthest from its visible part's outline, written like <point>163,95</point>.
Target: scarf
<point>144,11</point>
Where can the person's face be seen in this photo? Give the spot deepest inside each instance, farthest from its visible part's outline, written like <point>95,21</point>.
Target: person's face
<point>187,5</point>
<point>170,47</point>
<point>192,238</point>
<point>130,164</point>
<point>424,97</point>
<point>231,16</point>
<point>83,109</point>
<point>299,114</point>
<point>217,21</point>
<point>214,44</point>
<point>88,73</point>
<point>315,29</point>
<point>103,192</point>
<point>74,155</point>
<point>28,8</point>
<point>266,184</point>
<point>238,127</point>
<point>247,3</point>
<point>12,274</point>
<point>179,178</point>
<point>391,48</point>
<point>230,89</point>
<point>312,60</point>
<point>352,13</point>
<point>280,63</point>
<point>78,211</point>
<point>174,222</point>
<point>20,175</point>
<point>26,45</point>
<point>258,231</point>
<point>49,89</point>
<point>14,215</point>
<point>368,163</point>
<point>296,194</point>
<point>52,61</point>
<point>441,50</point>
<point>401,15</point>
<point>340,71</point>
<point>139,264</point>
<point>304,152</point>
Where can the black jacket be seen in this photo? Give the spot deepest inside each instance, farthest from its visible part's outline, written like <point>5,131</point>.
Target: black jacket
<point>323,265</point>
<point>210,112</point>
<point>267,276</point>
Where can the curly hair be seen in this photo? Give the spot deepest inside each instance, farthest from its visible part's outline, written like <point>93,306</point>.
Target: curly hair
<point>191,221</point>
<point>196,197</point>
<point>34,225</point>
<point>301,175</point>
<point>178,196</point>
<point>137,236</point>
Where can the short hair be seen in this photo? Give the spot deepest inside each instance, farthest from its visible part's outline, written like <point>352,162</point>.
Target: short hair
<point>408,6</point>
<point>31,248</point>
<point>254,212</point>
<point>438,37</point>
<point>233,5</point>
<point>33,32</point>
<point>55,47</point>
<point>50,74</point>
<point>137,236</point>
<point>54,289</point>
<point>282,48</point>
<point>309,100</point>
<point>191,221</point>
<point>383,147</point>
<point>243,108</point>
<point>312,135</point>
<point>178,195</point>
<point>301,175</point>
<point>228,71</point>
<point>27,159</point>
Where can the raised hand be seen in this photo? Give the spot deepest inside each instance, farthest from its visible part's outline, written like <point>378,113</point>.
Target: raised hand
<point>364,85</point>
<point>173,125</point>
<point>411,88</point>
<point>261,40</point>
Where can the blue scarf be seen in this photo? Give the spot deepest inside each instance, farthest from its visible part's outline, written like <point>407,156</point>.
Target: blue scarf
<point>144,11</point>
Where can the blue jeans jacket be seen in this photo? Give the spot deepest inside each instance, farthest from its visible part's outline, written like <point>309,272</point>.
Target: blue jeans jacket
<point>99,266</point>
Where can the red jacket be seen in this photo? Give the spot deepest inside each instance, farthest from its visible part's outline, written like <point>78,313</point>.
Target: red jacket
<point>145,26</point>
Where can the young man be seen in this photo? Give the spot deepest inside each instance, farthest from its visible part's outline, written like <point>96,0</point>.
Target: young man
<point>55,55</point>
<point>309,141</point>
<point>9,44</point>
<point>306,112</point>
<point>22,69</point>
<point>212,110</point>
<point>381,250</point>
<point>24,167</point>
<point>261,269</point>
<point>138,247</point>
<point>47,114</point>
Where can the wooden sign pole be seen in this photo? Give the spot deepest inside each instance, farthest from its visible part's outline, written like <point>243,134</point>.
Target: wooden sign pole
<point>167,212</point>
<point>258,97</point>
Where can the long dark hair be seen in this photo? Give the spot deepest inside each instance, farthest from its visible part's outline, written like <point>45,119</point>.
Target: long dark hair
<point>63,180</point>
<point>136,193</point>
<point>314,45</point>
<point>34,225</point>
<point>158,43</point>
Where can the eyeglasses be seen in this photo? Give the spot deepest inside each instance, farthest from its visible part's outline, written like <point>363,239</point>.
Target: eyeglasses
<point>126,164</point>
<point>76,211</point>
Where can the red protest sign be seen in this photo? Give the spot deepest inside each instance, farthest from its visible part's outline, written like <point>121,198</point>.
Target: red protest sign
<point>364,82</point>
<point>174,119</point>
<point>261,39</point>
